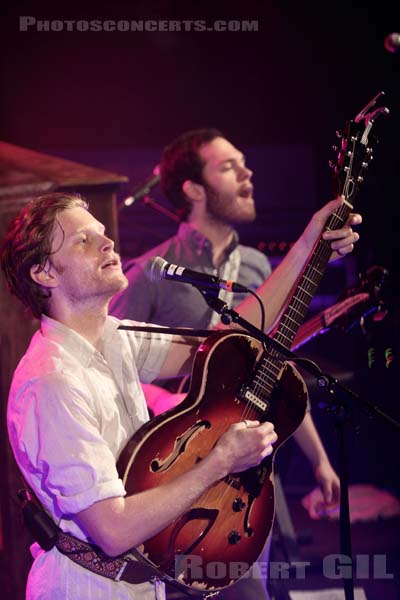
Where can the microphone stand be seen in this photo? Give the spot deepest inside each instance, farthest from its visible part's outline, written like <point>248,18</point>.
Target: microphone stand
<point>149,201</point>
<point>342,400</point>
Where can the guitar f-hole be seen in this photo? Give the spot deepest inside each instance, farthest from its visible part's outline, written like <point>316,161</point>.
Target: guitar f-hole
<point>206,514</point>
<point>159,465</point>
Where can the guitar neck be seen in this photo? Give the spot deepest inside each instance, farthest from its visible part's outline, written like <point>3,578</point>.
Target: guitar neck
<point>309,281</point>
<point>293,316</point>
<point>353,158</point>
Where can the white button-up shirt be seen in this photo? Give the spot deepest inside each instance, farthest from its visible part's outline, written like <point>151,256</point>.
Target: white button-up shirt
<point>71,412</point>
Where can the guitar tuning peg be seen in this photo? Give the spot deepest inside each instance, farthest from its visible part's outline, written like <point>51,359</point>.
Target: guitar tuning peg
<point>364,165</point>
<point>331,164</point>
<point>335,148</point>
<point>339,134</point>
<point>360,179</point>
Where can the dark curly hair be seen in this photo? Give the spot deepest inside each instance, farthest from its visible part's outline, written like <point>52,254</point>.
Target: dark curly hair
<point>180,162</point>
<point>28,242</point>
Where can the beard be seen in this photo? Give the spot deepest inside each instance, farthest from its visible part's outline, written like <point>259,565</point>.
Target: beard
<point>227,210</point>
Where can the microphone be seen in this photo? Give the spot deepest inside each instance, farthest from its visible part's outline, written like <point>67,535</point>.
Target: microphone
<point>392,42</point>
<point>158,268</point>
<point>144,188</point>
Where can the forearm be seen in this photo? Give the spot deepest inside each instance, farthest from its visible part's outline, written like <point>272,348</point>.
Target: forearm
<point>309,441</point>
<point>118,524</point>
<point>275,290</point>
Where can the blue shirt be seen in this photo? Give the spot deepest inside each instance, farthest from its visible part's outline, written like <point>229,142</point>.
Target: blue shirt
<point>179,304</point>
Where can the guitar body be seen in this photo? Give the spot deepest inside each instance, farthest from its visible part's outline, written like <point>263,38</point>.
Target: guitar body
<point>223,533</point>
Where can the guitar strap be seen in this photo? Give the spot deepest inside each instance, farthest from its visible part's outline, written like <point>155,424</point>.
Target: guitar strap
<point>130,567</point>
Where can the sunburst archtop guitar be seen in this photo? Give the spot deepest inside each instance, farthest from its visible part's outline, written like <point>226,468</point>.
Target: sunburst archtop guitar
<point>216,541</point>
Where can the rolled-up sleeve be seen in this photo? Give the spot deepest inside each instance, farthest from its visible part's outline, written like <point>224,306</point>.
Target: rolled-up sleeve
<point>61,446</point>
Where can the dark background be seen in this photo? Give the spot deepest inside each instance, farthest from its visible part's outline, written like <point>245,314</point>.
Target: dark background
<point>113,100</point>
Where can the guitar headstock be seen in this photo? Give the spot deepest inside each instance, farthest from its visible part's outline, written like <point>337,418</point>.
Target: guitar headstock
<point>356,149</point>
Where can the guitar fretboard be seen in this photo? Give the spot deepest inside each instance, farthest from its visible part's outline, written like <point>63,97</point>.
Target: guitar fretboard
<point>295,312</point>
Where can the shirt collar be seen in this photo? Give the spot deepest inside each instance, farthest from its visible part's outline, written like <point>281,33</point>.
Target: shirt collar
<point>198,242</point>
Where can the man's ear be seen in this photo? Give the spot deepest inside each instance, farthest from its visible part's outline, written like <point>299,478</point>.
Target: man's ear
<point>44,276</point>
<point>194,191</point>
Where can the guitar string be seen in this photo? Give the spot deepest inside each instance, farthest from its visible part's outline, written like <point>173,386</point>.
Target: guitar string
<point>319,256</point>
<point>295,308</point>
<point>249,412</point>
<point>318,259</point>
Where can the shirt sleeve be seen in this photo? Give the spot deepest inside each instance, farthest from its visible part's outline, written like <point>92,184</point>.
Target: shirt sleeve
<point>60,447</point>
<point>149,351</point>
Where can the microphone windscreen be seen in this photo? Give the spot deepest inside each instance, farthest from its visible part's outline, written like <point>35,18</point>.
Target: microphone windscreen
<point>155,268</point>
